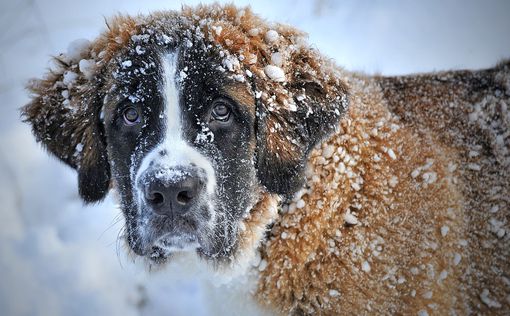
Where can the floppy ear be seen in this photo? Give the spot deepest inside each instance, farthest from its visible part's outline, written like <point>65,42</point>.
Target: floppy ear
<point>65,118</point>
<point>296,118</point>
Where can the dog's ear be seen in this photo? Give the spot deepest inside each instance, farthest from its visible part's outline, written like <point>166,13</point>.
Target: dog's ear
<point>294,117</point>
<point>65,116</point>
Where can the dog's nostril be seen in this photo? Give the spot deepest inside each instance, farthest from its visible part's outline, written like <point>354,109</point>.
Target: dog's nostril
<point>184,197</point>
<point>175,193</point>
<point>156,198</point>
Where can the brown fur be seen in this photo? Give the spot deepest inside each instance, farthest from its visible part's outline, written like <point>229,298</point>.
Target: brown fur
<point>420,118</point>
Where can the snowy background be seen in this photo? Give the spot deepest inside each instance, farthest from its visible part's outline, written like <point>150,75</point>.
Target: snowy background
<point>58,257</point>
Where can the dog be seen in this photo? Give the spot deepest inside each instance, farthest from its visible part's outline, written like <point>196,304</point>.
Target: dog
<point>229,139</point>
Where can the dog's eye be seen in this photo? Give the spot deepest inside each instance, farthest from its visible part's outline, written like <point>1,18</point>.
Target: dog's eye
<point>221,111</point>
<point>131,116</point>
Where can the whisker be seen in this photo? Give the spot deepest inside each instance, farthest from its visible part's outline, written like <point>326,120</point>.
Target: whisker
<point>120,236</point>
<point>114,222</point>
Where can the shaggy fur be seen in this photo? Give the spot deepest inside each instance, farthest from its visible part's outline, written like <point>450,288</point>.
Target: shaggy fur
<point>402,209</point>
<point>422,164</point>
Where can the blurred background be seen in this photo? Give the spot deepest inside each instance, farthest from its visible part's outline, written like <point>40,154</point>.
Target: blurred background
<point>59,257</point>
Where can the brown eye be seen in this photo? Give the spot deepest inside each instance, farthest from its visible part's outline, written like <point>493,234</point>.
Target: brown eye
<point>221,111</point>
<point>131,116</point>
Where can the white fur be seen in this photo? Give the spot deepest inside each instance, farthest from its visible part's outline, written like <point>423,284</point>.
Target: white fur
<point>179,152</point>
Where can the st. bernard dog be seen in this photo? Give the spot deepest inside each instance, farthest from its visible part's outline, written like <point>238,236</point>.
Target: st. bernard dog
<point>230,140</point>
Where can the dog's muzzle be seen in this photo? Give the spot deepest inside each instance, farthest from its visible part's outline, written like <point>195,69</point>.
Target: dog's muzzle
<point>175,204</point>
<point>173,192</point>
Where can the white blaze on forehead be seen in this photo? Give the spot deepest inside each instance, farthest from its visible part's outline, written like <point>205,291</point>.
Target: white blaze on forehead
<point>171,97</point>
<point>178,152</point>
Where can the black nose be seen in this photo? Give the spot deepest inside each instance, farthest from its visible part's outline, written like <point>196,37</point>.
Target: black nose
<point>173,191</point>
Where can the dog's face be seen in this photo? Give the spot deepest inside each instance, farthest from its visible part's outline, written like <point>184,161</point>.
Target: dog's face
<point>181,144</point>
<point>192,129</point>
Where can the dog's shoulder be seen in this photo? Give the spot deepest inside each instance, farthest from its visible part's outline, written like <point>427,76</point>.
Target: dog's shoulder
<point>391,217</point>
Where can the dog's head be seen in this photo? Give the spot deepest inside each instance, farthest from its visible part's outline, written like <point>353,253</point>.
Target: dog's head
<point>193,117</point>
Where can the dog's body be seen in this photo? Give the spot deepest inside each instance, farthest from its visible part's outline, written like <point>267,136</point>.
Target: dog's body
<point>214,126</point>
<point>421,164</point>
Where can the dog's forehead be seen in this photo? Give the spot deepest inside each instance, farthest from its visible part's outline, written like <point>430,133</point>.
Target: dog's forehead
<point>139,73</point>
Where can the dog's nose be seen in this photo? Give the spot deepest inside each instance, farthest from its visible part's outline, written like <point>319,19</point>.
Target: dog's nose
<point>173,191</point>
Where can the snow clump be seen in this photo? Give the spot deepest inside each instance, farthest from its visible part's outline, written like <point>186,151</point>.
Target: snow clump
<point>86,67</point>
<point>271,36</point>
<point>76,50</point>
<point>274,73</point>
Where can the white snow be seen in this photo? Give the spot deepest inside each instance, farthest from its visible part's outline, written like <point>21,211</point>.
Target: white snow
<point>239,78</point>
<point>262,265</point>
<point>365,266</point>
<point>429,177</point>
<point>87,66</point>
<point>69,78</point>
<point>77,49</point>
<point>271,36</point>
<point>254,32</point>
<point>274,73</point>
<point>58,257</point>
<point>444,230</point>
<point>443,275</point>
<point>391,153</point>
<point>276,59</point>
<point>350,219</point>
<point>334,293</point>
<point>217,29</point>
<point>415,173</point>
<point>126,63</point>
<point>328,151</point>
<point>393,181</point>
<point>139,50</point>
<point>484,296</point>
<point>474,166</point>
<point>231,63</point>
<point>456,259</point>
<point>355,186</point>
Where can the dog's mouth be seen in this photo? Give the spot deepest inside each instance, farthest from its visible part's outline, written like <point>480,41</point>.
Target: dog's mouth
<point>169,243</point>
<point>159,238</point>
<point>156,239</point>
